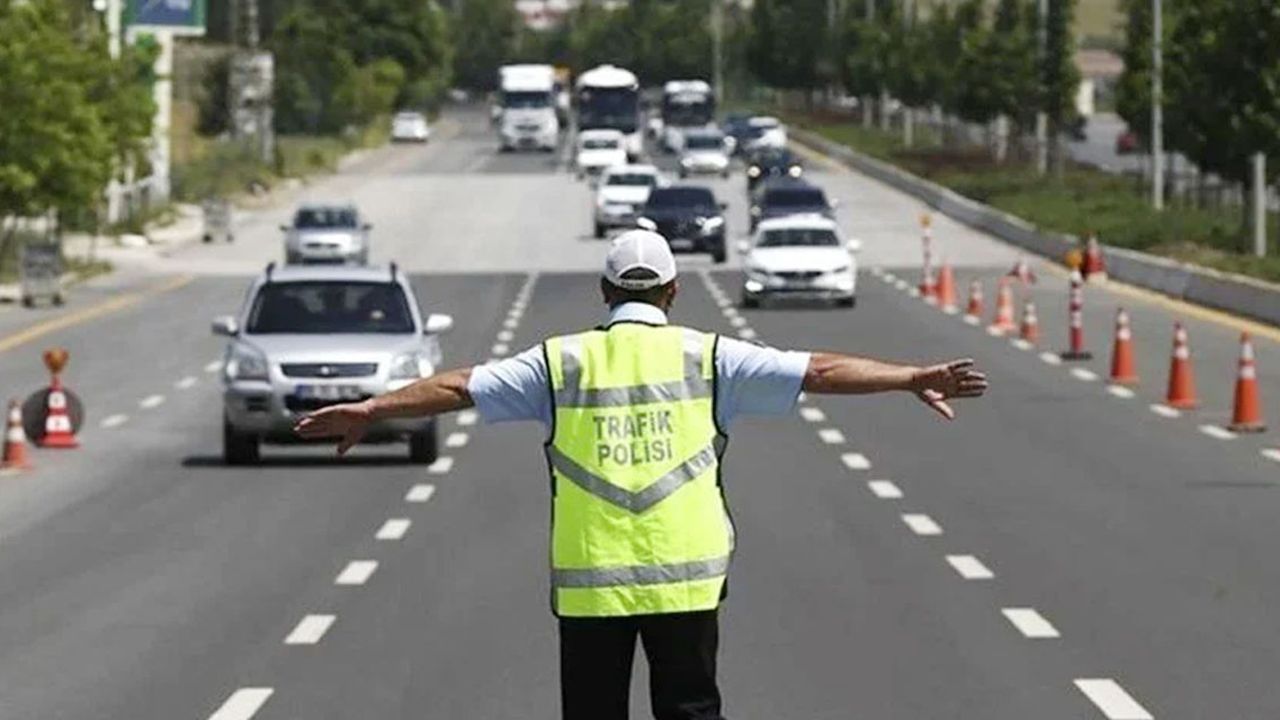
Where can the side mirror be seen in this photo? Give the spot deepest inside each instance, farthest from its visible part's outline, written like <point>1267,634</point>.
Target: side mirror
<point>437,324</point>
<point>744,247</point>
<point>854,245</point>
<point>645,223</point>
<point>226,326</point>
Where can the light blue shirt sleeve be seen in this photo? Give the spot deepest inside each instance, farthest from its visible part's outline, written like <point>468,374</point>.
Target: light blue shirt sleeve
<point>751,380</point>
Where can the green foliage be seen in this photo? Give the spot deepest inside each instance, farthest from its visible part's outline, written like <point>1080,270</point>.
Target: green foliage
<point>485,35</point>
<point>1059,77</point>
<point>658,41</point>
<point>787,48</point>
<point>369,92</point>
<point>1133,90</point>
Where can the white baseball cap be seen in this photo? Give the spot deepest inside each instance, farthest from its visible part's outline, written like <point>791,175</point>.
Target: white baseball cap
<point>640,250</point>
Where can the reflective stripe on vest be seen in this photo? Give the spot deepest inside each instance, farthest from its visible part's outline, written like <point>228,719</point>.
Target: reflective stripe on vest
<point>639,524</point>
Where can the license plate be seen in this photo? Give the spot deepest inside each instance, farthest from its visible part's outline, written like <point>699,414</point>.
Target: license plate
<point>680,244</point>
<point>329,392</point>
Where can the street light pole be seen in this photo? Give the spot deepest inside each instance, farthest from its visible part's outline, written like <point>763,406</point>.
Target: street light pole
<point>869,17</point>
<point>1157,105</point>
<point>717,49</point>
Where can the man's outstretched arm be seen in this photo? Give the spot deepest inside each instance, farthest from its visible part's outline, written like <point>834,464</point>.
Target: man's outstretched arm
<point>442,393</point>
<point>835,374</point>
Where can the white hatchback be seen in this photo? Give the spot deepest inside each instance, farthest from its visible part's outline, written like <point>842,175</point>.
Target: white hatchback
<point>598,150</point>
<point>623,189</point>
<point>802,257</point>
<point>409,126</point>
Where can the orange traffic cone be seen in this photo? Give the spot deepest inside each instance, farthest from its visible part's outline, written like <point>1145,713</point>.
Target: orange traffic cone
<point>973,313</point>
<point>1123,368</point>
<point>57,422</point>
<point>15,441</point>
<point>1182,381</point>
<point>1022,272</point>
<point>1247,413</point>
<point>946,291</point>
<point>1003,322</point>
<point>1030,331</point>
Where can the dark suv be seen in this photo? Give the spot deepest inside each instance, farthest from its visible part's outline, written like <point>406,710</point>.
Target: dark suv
<point>689,217</point>
<point>769,163</point>
<point>782,197</point>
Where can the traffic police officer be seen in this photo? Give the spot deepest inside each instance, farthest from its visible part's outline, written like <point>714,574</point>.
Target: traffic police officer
<point>637,413</point>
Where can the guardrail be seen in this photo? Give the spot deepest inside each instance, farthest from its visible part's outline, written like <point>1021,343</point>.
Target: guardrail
<point>1225,291</point>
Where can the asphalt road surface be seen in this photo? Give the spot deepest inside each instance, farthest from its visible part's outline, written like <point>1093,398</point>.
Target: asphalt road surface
<point>1059,551</point>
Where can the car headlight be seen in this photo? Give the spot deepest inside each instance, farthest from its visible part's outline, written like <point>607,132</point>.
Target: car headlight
<point>409,366</point>
<point>753,172</point>
<point>795,171</point>
<point>755,210</point>
<point>710,224</point>
<point>246,363</point>
<point>686,161</point>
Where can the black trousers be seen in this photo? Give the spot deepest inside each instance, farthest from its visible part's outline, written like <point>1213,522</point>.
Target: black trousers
<point>596,656</point>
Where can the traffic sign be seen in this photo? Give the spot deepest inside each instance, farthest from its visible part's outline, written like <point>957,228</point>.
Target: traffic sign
<point>180,17</point>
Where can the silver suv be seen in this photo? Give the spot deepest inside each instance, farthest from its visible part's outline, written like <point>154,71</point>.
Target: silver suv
<point>326,234</point>
<point>313,336</point>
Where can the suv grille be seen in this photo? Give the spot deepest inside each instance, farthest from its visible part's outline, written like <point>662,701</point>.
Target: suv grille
<point>328,370</point>
<point>295,404</point>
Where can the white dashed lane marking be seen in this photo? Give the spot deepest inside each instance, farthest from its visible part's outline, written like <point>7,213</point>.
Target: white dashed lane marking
<point>921,524</point>
<point>971,320</point>
<point>1050,358</point>
<point>831,436</point>
<point>456,440</point>
<point>213,367</point>
<point>1121,392</point>
<point>1112,699</point>
<point>151,402</point>
<point>243,704</point>
<point>747,333</point>
<point>310,630</point>
<point>1166,411</point>
<point>970,567</point>
<point>1084,374</point>
<point>1021,344</point>
<point>357,572</point>
<point>855,461</point>
<point>738,321</point>
<point>112,421</point>
<point>500,349</point>
<point>1030,623</point>
<point>441,466</point>
<point>511,323</point>
<point>467,417</point>
<point>885,489</point>
<point>1217,433</point>
<point>506,336</point>
<point>812,414</point>
<point>393,529</point>
<point>185,383</point>
<point>420,493</point>
<point>1271,454</point>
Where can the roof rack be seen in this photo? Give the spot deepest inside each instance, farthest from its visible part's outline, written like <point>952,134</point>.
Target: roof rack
<point>271,267</point>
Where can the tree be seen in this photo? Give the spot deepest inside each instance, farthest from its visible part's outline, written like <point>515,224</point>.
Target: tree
<point>1133,90</point>
<point>784,51</point>
<point>1059,77</point>
<point>485,36</point>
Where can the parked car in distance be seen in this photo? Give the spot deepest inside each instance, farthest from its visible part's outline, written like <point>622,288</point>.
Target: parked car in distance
<point>799,257</point>
<point>787,196</point>
<point>308,337</point>
<point>410,126</point>
<point>1127,143</point>
<point>598,150</point>
<point>704,151</point>
<point>689,217</point>
<point>623,189</point>
<point>326,234</point>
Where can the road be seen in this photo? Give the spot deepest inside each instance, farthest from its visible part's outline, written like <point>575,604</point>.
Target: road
<point>890,564</point>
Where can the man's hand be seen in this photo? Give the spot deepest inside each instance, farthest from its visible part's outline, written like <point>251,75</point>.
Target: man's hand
<point>936,384</point>
<point>347,422</point>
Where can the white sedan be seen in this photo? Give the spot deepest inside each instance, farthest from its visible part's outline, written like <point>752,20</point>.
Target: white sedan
<point>802,257</point>
<point>598,150</point>
<point>623,189</point>
<point>410,126</point>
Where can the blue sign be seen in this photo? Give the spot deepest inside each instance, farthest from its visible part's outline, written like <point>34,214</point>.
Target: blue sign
<point>180,15</point>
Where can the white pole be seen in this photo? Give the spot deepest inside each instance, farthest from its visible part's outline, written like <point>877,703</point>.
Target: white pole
<point>1042,118</point>
<point>866,100</point>
<point>1157,106</point>
<point>163,93</point>
<point>717,60</point>
<point>115,193</point>
<point>1260,205</point>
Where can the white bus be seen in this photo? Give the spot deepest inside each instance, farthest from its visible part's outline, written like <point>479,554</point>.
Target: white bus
<point>608,98</point>
<point>686,105</point>
<point>527,98</point>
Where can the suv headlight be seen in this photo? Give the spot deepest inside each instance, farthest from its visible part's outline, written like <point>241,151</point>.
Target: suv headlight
<point>795,171</point>
<point>410,366</point>
<point>710,224</point>
<point>246,363</point>
<point>753,172</point>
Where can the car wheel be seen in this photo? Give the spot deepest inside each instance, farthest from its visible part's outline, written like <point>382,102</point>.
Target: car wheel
<point>423,446</point>
<point>599,231</point>
<point>238,448</point>
<point>847,302</point>
<point>718,254</point>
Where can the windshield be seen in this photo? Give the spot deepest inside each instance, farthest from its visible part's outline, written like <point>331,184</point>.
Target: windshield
<point>799,237</point>
<point>704,142</point>
<point>688,109</point>
<point>796,197</point>
<point>330,307</point>
<point>519,99</point>
<point>633,179</point>
<point>608,108</point>
<point>324,218</point>
<point>682,197</point>
<point>599,144</point>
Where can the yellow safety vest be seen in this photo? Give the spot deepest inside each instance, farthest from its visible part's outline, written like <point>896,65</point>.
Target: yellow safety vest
<point>639,523</point>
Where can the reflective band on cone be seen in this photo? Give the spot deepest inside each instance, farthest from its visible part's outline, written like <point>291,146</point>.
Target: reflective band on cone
<point>1246,413</point>
<point>58,432</point>
<point>1182,381</point>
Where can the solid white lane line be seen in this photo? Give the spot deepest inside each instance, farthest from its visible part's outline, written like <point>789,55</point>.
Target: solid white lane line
<point>921,524</point>
<point>885,489</point>
<point>112,421</point>
<point>1166,411</point>
<point>1271,454</point>
<point>738,321</point>
<point>310,629</point>
<point>855,461</point>
<point>1084,374</point>
<point>747,333</point>
<point>970,567</point>
<point>456,440</point>
<point>500,349</point>
<point>357,572</point>
<point>213,367</point>
<point>812,414</point>
<point>393,529</point>
<point>151,402</point>
<point>1021,344</point>
<point>1217,433</point>
<point>467,417</point>
<point>1030,623</point>
<point>420,493</point>
<point>1112,699</point>
<point>831,436</point>
<point>506,336</point>
<point>185,383</point>
<point>1121,392</point>
<point>441,466</point>
<point>243,704</point>
<point>1049,358</point>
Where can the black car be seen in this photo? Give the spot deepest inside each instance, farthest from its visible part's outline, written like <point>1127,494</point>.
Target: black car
<point>769,163</point>
<point>738,127</point>
<point>689,217</point>
<point>782,197</point>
